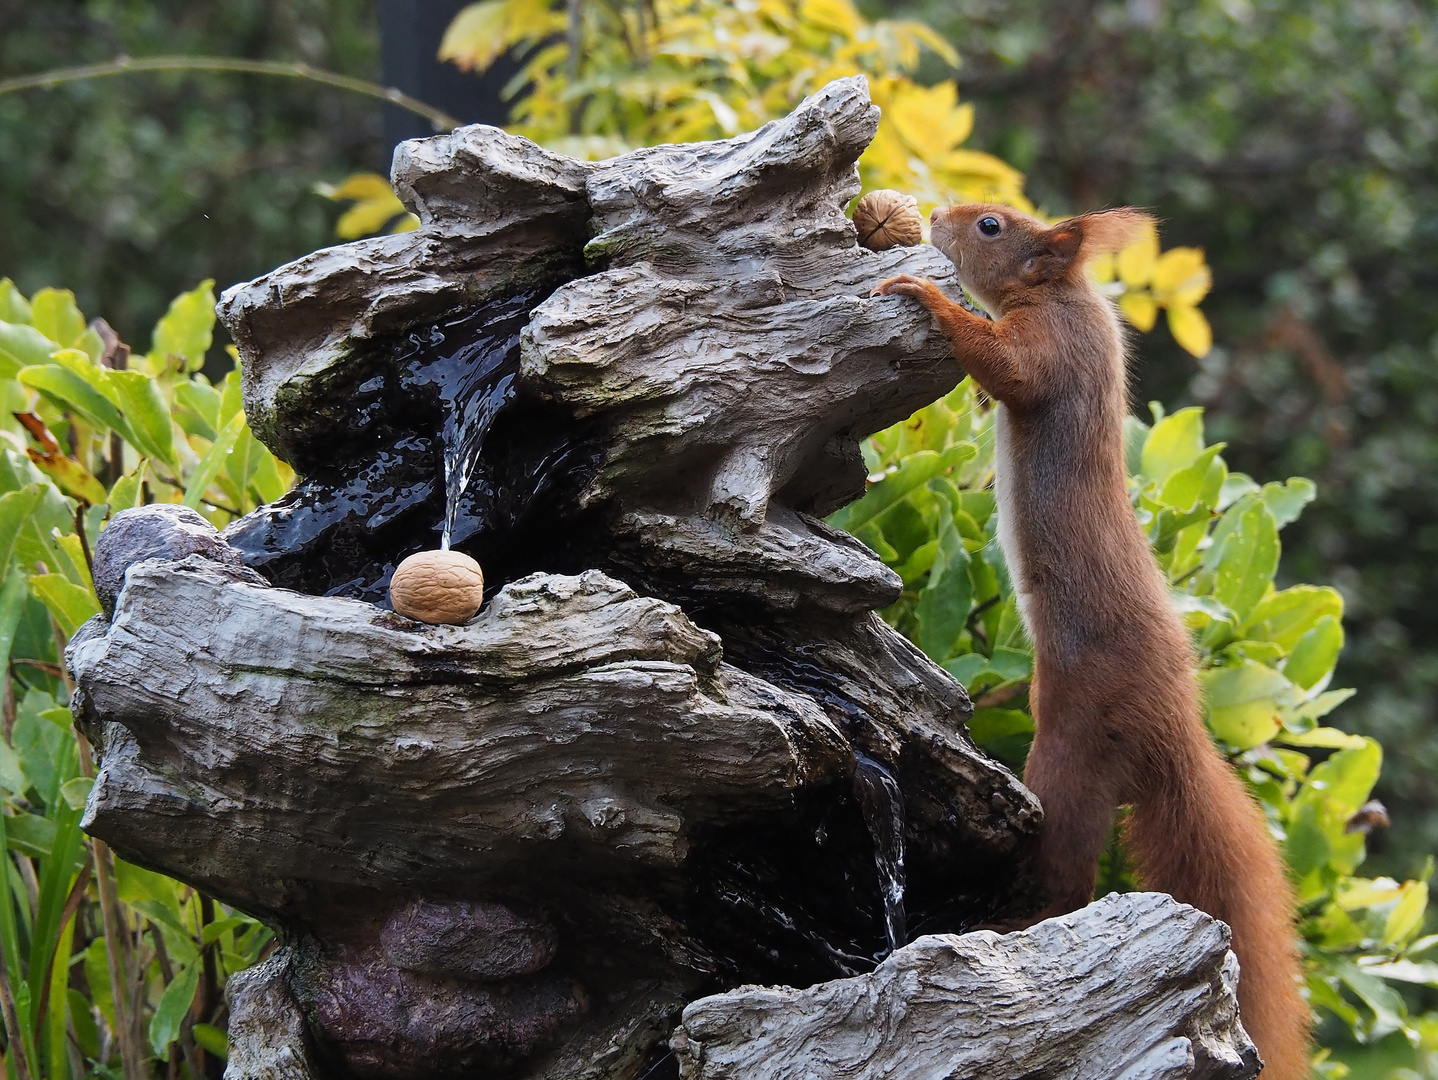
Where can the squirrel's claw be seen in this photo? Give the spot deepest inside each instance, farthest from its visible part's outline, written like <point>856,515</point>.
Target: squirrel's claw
<point>902,285</point>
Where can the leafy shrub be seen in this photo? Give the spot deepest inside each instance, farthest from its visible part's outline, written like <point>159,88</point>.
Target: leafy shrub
<point>1266,658</point>
<point>108,965</point>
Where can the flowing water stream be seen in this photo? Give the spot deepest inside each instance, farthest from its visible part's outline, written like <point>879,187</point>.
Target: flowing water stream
<point>882,804</point>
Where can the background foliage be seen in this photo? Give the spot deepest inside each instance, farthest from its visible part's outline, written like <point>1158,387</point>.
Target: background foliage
<point>130,190</point>
<point>111,969</point>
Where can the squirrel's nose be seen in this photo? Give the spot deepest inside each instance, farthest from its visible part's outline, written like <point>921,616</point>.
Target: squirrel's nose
<point>934,215</point>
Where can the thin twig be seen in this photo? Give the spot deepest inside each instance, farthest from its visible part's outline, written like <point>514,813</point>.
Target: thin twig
<point>84,540</point>
<point>40,665</point>
<point>126,65</point>
<point>1001,695</point>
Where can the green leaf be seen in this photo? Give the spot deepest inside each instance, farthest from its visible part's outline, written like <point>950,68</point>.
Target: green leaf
<point>16,509</point>
<point>1183,488</point>
<point>1349,775</point>
<point>217,929</point>
<point>76,790</point>
<point>1286,501</point>
<point>87,1032</point>
<point>186,329</point>
<point>1385,1003</point>
<point>919,563</point>
<point>22,346</point>
<point>212,1039</point>
<point>1235,487</point>
<point>1012,664</point>
<point>1322,705</point>
<point>1247,558</point>
<point>40,746</point>
<point>174,1005</point>
<point>1135,434</point>
<point>72,605</point>
<point>1243,702</point>
<point>964,668</point>
<point>1409,971</point>
<point>1313,657</point>
<point>210,465</point>
<point>14,308</point>
<point>1174,443</point>
<point>1326,738</point>
<point>198,409</point>
<point>127,492</point>
<point>1286,616</point>
<point>913,472</point>
<point>30,835</point>
<point>990,724</point>
<point>54,313</point>
<point>1406,918</point>
<point>943,607</point>
<point>69,390</point>
<point>139,398</point>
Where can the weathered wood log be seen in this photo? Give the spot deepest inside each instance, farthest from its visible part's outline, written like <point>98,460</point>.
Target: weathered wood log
<point>1133,987</point>
<point>498,215</point>
<point>651,768</point>
<point>573,721</point>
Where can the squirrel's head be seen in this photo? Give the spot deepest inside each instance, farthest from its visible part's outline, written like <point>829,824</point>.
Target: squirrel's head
<point>1002,253</point>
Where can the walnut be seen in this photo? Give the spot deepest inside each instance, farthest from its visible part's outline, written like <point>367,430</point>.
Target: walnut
<point>885,218</point>
<point>437,587</point>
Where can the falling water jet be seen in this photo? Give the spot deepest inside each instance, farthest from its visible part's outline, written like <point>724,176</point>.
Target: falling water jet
<point>882,805</point>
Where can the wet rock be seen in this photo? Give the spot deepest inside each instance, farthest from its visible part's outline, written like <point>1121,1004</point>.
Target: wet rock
<point>156,531</point>
<point>384,1021</point>
<point>485,942</point>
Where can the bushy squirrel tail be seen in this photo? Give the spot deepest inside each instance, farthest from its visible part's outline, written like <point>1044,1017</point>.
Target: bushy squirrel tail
<point>1200,837</point>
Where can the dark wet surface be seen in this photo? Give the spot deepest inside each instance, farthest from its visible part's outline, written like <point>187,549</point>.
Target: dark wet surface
<point>447,390</point>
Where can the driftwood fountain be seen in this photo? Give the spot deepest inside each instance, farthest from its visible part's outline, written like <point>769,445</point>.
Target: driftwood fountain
<point>676,802</point>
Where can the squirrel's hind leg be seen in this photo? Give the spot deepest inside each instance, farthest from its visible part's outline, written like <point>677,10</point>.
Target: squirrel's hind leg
<point>1079,806</point>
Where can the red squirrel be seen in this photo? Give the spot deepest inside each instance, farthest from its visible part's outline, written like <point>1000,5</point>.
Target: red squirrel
<point>1114,697</point>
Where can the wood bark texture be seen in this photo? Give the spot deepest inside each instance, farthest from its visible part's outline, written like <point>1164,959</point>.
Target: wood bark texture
<point>1133,987</point>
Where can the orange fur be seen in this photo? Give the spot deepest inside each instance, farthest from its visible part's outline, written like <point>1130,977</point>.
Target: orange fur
<point>1114,697</point>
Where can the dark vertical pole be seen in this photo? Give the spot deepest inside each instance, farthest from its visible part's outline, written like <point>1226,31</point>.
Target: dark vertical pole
<point>410,33</point>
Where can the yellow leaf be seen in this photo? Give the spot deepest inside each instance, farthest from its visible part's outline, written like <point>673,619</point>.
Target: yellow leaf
<point>476,37</point>
<point>368,217</point>
<point>1101,268</point>
<point>836,16</point>
<point>1182,277</point>
<point>1139,309</point>
<point>1406,918</point>
<point>1136,262</point>
<point>929,119</point>
<point>408,223</point>
<point>358,186</point>
<point>1190,329</point>
<point>976,167</point>
<point>1356,893</point>
<point>923,35</point>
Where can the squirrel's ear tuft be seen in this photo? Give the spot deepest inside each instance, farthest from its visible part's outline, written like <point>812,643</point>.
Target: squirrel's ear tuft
<point>1069,244</point>
<point>1106,231</point>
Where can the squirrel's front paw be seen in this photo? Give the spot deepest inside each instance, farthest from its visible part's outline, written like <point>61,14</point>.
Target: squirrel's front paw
<point>902,285</point>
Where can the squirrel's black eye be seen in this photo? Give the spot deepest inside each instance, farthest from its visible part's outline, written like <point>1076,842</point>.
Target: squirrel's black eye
<point>989,226</point>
